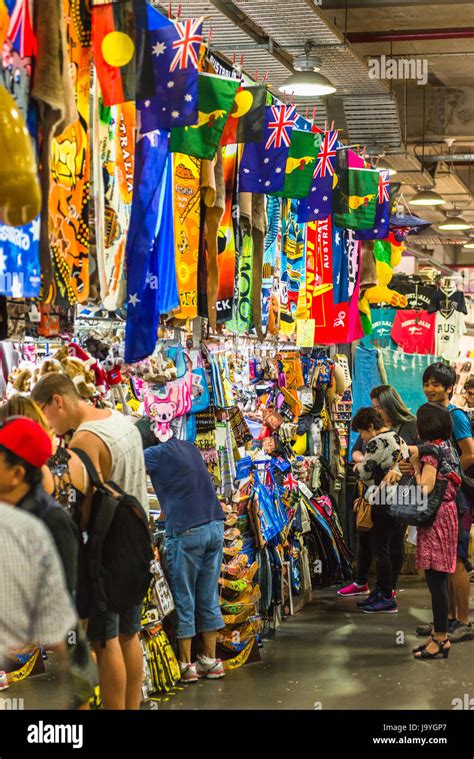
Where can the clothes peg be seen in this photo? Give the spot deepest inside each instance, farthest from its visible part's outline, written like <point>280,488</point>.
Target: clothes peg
<point>233,58</point>
<point>178,12</point>
<point>209,37</point>
<point>265,76</point>
<point>169,10</point>
<point>256,75</point>
<point>332,126</point>
<point>291,97</point>
<point>242,59</point>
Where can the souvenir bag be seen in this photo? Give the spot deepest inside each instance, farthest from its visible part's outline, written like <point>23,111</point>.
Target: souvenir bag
<point>363,510</point>
<point>409,506</point>
<point>201,398</point>
<point>175,353</point>
<point>160,593</point>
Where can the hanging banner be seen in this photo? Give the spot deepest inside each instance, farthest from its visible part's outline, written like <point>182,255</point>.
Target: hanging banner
<point>247,117</point>
<point>19,260</point>
<point>262,168</point>
<point>242,321</point>
<point>318,203</point>
<point>270,255</point>
<point>300,164</point>
<point>187,216</point>
<point>292,266</point>
<point>70,174</point>
<point>226,237</point>
<point>319,278</point>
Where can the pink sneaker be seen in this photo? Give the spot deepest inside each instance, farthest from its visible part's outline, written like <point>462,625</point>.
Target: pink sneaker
<point>188,673</point>
<point>353,590</point>
<point>211,671</point>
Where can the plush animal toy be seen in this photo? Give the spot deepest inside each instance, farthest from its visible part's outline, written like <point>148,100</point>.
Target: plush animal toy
<point>162,413</point>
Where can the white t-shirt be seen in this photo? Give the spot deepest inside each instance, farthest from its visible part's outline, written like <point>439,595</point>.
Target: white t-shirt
<point>450,327</point>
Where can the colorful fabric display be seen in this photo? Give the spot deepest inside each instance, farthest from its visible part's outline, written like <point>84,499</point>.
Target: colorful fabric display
<point>414,331</point>
<point>382,323</point>
<point>227,238</point>
<point>187,216</point>
<point>293,266</point>
<point>262,168</point>
<point>270,257</point>
<point>381,226</point>
<point>69,232</point>
<point>340,264</point>
<point>242,320</point>
<point>247,117</point>
<point>19,260</point>
<point>113,162</point>
<point>355,196</point>
<point>151,286</point>
<point>318,203</point>
<point>319,277</point>
<point>175,55</point>
<point>300,164</point>
<point>215,97</point>
<point>121,51</point>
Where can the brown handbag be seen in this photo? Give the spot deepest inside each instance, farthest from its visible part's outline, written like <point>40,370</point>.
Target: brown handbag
<point>363,511</point>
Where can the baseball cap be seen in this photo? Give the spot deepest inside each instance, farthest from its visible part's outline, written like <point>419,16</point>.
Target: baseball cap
<point>26,439</point>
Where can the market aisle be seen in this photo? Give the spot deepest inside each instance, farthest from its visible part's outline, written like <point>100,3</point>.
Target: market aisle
<point>335,654</point>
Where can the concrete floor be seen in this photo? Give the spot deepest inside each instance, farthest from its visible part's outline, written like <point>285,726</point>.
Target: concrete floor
<point>329,656</point>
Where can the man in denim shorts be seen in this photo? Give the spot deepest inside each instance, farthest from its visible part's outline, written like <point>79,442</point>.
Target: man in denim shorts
<point>194,547</point>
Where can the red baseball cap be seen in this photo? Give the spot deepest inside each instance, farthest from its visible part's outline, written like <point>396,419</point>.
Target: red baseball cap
<point>26,439</point>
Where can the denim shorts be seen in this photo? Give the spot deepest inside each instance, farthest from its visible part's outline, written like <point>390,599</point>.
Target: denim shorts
<point>194,561</point>
<point>105,625</point>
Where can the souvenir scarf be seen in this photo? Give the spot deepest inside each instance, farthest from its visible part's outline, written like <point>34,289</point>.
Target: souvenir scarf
<point>242,320</point>
<point>226,237</point>
<point>292,264</point>
<point>270,255</point>
<point>187,215</point>
<point>70,174</point>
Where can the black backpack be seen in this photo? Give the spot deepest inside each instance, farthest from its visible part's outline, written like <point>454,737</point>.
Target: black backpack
<point>119,546</point>
<point>467,485</point>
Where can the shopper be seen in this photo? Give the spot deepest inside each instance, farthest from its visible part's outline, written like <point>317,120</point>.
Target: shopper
<point>114,445</point>
<point>194,523</point>
<point>398,417</point>
<point>383,450</point>
<point>436,460</point>
<point>24,449</point>
<point>438,385</point>
<point>36,606</point>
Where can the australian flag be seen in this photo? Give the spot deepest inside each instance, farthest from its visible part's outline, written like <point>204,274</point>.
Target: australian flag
<point>318,204</point>
<point>262,168</point>
<point>382,213</point>
<point>175,53</point>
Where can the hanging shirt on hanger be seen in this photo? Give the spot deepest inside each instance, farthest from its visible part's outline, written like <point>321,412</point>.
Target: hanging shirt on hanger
<point>450,327</point>
<point>418,294</point>
<point>441,299</point>
<point>414,331</point>
<point>382,323</point>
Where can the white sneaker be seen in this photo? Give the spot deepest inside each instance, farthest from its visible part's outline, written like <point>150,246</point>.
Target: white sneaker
<point>188,673</point>
<point>212,670</point>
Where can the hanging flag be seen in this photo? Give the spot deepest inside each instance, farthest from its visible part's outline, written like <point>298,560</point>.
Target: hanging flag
<point>151,283</point>
<point>270,255</point>
<point>262,168</point>
<point>215,96</point>
<point>355,197</point>
<point>318,203</point>
<point>187,216</point>
<point>319,277</point>
<point>246,120</point>
<point>300,164</point>
<point>121,47</point>
<point>242,319</point>
<point>340,264</point>
<point>381,226</point>
<point>226,237</point>
<point>69,197</point>
<point>175,53</point>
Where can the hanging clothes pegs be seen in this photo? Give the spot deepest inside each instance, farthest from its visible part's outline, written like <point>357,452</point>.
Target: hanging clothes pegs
<point>265,76</point>
<point>256,75</point>
<point>169,11</point>
<point>178,12</point>
<point>242,57</point>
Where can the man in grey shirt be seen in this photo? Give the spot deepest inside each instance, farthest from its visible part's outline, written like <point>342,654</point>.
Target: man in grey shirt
<point>35,606</point>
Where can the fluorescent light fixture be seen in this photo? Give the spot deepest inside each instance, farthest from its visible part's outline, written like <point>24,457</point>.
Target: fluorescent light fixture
<point>307,81</point>
<point>469,245</point>
<point>427,198</point>
<point>454,223</point>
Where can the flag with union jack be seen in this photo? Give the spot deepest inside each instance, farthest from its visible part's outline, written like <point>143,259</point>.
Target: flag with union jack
<point>175,54</point>
<point>318,203</point>
<point>262,168</point>
<point>381,226</point>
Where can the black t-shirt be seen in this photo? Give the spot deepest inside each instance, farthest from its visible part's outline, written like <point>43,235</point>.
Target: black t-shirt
<point>418,295</point>
<point>440,299</point>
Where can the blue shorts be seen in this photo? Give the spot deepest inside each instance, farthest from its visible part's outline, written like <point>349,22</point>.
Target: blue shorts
<point>194,561</point>
<point>105,625</point>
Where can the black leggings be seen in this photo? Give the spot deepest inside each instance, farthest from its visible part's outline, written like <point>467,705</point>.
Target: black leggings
<point>438,583</point>
<point>365,554</point>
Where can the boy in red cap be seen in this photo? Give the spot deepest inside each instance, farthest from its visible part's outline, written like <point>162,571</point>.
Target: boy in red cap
<point>24,448</point>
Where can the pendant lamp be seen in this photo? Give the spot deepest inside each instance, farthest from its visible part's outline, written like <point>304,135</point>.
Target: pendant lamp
<point>306,81</point>
<point>454,223</point>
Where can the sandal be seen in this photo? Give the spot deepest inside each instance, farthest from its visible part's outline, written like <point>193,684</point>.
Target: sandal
<point>441,650</point>
<point>422,647</point>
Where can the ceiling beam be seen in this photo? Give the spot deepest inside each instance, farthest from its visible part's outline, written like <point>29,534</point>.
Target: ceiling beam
<point>329,5</point>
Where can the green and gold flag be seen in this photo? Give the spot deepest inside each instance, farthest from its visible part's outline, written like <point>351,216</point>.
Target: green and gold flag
<point>215,98</point>
<point>300,164</point>
<point>355,198</point>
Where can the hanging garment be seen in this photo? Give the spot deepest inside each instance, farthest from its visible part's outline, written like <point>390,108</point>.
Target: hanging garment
<point>414,331</point>
<point>247,117</point>
<point>70,174</point>
<point>175,54</point>
<point>382,322</point>
<point>318,203</point>
<point>405,372</point>
<point>122,53</point>
<point>450,327</point>
<point>187,216</point>
<point>262,168</point>
<point>215,96</point>
<point>381,226</point>
<point>293,263</point>
<point>319,277</point>
<point>113,167</point>
<point>151,285</point>
<point>441,299</point>
<point>365,376</point>
<point>270,257</point>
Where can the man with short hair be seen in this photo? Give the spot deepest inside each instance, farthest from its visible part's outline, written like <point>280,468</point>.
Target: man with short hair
<point>438,385</point>
<point>114,445</point>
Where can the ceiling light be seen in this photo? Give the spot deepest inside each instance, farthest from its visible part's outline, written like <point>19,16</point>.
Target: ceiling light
<point>454,222</point>
<point>307,81</point>
<point>427,198</point>
<point>382,164</point>
<point>469,245</point>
